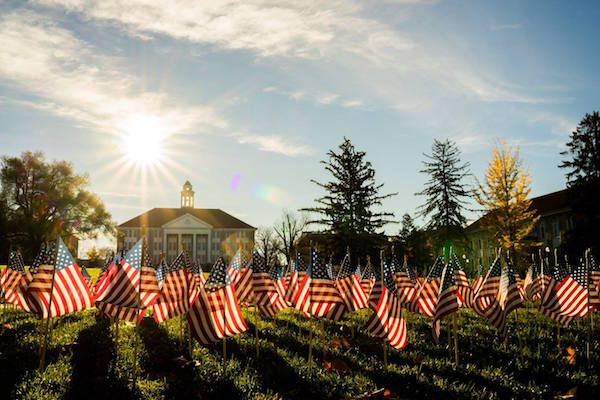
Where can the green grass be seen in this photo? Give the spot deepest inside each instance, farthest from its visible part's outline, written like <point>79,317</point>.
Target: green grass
<point>83,360</point>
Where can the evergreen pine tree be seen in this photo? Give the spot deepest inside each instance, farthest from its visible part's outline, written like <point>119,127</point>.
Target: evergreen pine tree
<point>348,209</point>
<point>583,181</point>
<point>445,191</point>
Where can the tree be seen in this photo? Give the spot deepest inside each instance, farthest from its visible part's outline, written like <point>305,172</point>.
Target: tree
<point>408,228</point>
<point>268,245</point>
<point>347,210</point>
<point>445,191</point>
<point>47,199</point>
<point>583,181</point>
<point>288,230</point>
<point>503,194</point>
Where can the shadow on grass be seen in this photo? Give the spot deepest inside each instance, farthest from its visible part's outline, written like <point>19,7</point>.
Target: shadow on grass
<point>93,355</point>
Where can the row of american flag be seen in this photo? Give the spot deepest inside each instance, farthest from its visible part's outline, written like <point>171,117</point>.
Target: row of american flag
<point>129,285</point>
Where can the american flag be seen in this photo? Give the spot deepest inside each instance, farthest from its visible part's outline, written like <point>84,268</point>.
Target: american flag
<point>541,281</point>
<point>15,281</point>
<point>178,289</point>
<point>549,302</point>
<point>386,321</point>
<point>57,288</point>
<point>567,295</point>
<point>465,292</point>
<point>88,279</point>
<point>426,297</point>
<point>216,313</point>
<point>478,280</point>
<point>297,275</point>
<point>486,303</point>
<point>317,294</point>
<point>107,270</point>
<point>238,262</point>
<point>510,294</point>
<point>594,274</point>
<point>448,301</point>
<point>405,281</point>
<point>367,278</point>
<point>267,298</point>
<point>132,286</point>
<point>349,286</point>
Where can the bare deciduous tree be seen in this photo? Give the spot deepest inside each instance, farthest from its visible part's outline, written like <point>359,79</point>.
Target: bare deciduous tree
<point>288,230</point>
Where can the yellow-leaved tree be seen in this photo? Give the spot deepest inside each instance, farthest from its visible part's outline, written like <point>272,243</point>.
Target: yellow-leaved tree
<point>504,195</point>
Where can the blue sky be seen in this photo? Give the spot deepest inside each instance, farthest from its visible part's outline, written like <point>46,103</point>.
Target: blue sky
<point>258,91</point>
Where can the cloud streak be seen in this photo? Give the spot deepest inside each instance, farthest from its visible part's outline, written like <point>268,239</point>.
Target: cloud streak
<point>69,78</point>
<point>273,144</point>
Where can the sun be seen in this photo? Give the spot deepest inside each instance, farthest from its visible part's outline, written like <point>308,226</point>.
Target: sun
<point>142,139</point>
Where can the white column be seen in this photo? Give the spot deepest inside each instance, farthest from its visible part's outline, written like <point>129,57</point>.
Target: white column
<point>178,242</point>
<point>193,252</point>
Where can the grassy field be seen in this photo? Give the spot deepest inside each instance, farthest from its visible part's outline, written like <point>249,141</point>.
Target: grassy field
<point>84,361</point>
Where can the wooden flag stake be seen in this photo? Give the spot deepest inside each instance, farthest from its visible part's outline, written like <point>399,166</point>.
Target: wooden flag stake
<point>310,335</point>
<point>519,337</point>
<point>382,284</point>
<point>45,336</point>
<point>256,331</point>
<point>455,338</point>
<point>323,338</point>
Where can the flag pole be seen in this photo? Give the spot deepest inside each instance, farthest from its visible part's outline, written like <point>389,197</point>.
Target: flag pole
<point>256,330</point>
<point>454,321</point>
<point>382,284</point>
<point>45,338</point>
<point>137,319</point>
<point>225,329</point>
<point>589,330</point>
<point>558,323</point>
<point>310,334</point>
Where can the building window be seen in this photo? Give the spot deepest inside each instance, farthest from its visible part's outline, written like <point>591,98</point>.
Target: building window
<point>555,229</point>
<point>542,231</point>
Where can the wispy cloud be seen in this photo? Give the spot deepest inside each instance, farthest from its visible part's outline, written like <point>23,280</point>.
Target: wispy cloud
<point>327,98</point>
<point>352,103</point>
<point>340,32</point>
<point>66,76</point>
<point>504,27</point>
<point>273,144</point>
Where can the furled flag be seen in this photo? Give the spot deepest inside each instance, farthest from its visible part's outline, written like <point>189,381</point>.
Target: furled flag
<point>15,281</point>
<point>297,274</point>
<point>267,298</point>
<point>88,279</point>
<point>510,296</point>
<point>349,286</point>
<point>567,294</point>
<point>427,294</point>
<point>486,302</point>
<point>178,290</point>
<point>57,288</point>
<point>386,321</point>
<point>448,301</point>
<point>132,286</point>
<point>465,293</point>
<point>405,281</point>
<point>216,313</point>
<point>367,278</point>
<point>317,294</point>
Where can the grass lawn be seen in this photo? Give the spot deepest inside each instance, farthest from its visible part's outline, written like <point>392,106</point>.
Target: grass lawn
<point>84,362</point>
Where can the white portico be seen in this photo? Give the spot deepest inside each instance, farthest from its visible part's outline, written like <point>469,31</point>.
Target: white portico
<point>205,233</point>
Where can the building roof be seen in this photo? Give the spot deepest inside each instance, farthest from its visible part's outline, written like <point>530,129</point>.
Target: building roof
<point>546,204</point>
<point>157,217</point>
